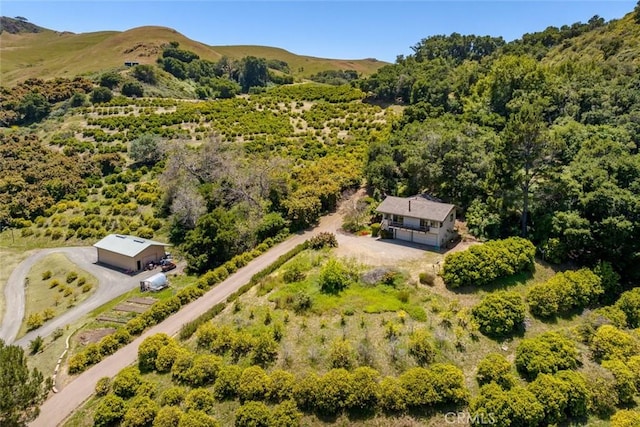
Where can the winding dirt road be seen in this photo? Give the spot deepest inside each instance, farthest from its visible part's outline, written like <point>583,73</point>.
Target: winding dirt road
<point>59,406</point>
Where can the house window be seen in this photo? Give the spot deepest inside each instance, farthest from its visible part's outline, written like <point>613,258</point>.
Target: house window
<point>424,223</point>
<point>398,219</point>
<point>451,217</point>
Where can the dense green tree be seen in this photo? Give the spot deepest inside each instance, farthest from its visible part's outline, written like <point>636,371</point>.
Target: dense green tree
<point>133,89</point>
<point>22,390</point>
<point>629,303</point>
<point>146,149</point>
<point>253,73</point>
<point>215,239</point>
<point>33,107</point>
<point>515,407</point>
<point>334,277</point>
<point>148,350</point>
<point>101,94</point>
<point>110,79</point>
<point>145,73</point>
<point>254,384</point>
<point>552,393</point>
<point>197,418</point>
<point>523,156</point>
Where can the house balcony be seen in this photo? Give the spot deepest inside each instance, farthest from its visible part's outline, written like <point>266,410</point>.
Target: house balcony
<point>388,224</point>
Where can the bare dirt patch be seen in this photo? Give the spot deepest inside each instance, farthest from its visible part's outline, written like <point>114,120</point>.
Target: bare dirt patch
<point>93,336</point>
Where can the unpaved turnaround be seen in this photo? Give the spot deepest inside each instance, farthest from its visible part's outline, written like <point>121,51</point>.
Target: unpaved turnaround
<point>59,406</point>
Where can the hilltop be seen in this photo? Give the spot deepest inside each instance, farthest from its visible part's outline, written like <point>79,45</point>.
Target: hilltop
<point>29,51</point>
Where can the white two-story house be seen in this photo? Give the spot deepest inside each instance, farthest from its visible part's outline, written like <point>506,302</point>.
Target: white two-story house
<point>419,220</point>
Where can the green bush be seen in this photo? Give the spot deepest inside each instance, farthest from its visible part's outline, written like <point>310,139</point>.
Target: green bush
<point>514,407</point>
<point>334,277</point>
<point>624,380</point>
<point>199,399</point>
<point>254,384</point>
<point>282,384</point>
<point>500,314</point>
<point>482,264</point>
<point>109,411</point>
<point>34,321</point>
<point>103,386</point>
<point>253,414</point>
<point>625,418</point>
<point>565,291</point>
<point>286,414</point>
<point>226,385</point>
<point>341,354</point>
<point>168,416</point>
<point>629,303</point>
<point>375,230</point>
<point>334,392</point>
<point>610,343</point>
<point>126,383</point>
<point>140,413</point>
<point>545,354</point>
<point>393,396</point>
<point>552,393</point>
<point>427,278</point>
<point>421,347</point>
<point>323,240</point>
<point>173,396</point>
<point>148,351</point>
<point>495,368</point>
<point>46,275</point>
<point>71,276</point>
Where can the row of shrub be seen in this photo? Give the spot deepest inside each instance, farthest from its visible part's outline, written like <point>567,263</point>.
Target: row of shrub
<point>338,390</point>
<point>482,264</point>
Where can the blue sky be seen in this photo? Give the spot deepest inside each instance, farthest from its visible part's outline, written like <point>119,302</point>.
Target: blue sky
<point>331,29</point>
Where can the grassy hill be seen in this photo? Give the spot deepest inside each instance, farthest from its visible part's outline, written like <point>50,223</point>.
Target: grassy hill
<point>615,43</point>
<point>47,54</point>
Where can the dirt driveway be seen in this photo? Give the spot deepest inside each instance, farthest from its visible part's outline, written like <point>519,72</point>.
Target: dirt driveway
<point>388,252</point>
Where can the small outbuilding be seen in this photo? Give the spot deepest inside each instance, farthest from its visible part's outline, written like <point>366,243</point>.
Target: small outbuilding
<point>129,253</point>
<point>156,282</point>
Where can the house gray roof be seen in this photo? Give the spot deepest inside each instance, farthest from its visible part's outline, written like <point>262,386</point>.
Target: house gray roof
<point>126,245</point>
<point>416,207</point>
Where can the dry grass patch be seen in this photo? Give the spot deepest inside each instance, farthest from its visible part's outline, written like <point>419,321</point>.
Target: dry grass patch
<point>54,284</point>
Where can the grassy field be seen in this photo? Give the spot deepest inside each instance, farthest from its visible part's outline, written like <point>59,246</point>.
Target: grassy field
<point>51,54</point>
<point>54,285</point>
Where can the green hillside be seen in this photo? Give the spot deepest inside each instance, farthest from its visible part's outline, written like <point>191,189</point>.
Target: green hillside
<point>48,54</point>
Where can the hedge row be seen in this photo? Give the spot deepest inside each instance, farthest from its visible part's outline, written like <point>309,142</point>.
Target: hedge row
<point>482,264</point>
<point>338,390</point>
<point>160,310</point>
<point>564,292</point>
